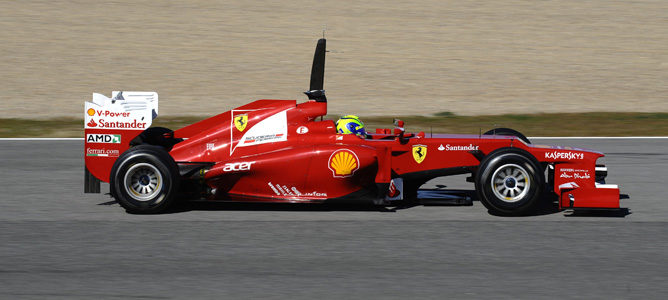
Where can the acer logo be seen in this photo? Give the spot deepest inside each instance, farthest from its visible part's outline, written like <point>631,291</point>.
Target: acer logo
<point>240,166</point>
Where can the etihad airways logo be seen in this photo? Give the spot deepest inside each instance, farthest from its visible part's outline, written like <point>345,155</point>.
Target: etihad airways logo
<point>564,155</point>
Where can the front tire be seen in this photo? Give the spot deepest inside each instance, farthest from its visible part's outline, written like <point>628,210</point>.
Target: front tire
<point>509,182</point>
<point>144,180</point>
<point>508,132</point>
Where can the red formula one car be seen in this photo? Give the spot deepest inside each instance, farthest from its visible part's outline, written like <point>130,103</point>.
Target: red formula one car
<point>283,151</point>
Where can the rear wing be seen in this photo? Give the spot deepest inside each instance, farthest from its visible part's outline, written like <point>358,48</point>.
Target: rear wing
<point>109,126</point>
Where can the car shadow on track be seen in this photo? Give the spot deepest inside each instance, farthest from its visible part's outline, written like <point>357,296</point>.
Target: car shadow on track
<point>234,206</point>
<point>612,213</point>
<point>602,213</point>
<point>464,199</point>
<point>550,207</point>
<point>239,206</point>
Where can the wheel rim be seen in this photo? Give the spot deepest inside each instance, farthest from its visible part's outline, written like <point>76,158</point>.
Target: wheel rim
<point>510,183</point>
<point>143,182</point>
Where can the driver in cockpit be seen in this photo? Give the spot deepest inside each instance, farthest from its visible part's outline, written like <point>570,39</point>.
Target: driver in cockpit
<point>351,124</point>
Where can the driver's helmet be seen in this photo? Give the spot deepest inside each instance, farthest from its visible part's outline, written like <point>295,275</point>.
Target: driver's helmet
<point>350,124</point>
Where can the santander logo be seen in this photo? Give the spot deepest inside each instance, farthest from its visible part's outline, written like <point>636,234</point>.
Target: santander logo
<point>92,123</point>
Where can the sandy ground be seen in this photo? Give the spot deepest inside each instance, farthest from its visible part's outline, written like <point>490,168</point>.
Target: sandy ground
<point>412,57</point>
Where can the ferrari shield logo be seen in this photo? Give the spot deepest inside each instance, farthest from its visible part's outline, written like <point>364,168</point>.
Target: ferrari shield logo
<point>240,122</point>
<point>419,153</point>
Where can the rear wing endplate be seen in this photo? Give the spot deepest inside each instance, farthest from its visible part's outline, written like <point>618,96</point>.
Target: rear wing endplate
<point>109,126</point>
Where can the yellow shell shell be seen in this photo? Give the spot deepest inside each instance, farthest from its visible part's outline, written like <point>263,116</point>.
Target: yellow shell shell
<point>343,163</point>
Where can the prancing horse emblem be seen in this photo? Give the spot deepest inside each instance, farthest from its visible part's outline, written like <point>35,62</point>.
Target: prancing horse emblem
<point>419,153</point>
<point>240,122</point>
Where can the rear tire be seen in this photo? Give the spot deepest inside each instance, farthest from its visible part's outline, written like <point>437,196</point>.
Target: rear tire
<point>145,180</point>
<point>509,182</point>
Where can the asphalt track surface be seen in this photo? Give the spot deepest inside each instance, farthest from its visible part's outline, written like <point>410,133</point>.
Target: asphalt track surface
<point>58,243</point>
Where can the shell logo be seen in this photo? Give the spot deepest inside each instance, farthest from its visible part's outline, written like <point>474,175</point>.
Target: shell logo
<point>343,163</point>
<point>90,112</point>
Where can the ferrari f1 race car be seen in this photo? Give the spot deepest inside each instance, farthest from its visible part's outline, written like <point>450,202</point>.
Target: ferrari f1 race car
<point>283,151</point>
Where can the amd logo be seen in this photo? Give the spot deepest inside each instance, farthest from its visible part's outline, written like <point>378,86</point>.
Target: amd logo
<point>103,138</point>
<point>240,166</point>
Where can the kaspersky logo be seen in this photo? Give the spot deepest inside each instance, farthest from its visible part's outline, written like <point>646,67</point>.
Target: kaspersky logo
<point>103,138</point>
<point>564,155</point>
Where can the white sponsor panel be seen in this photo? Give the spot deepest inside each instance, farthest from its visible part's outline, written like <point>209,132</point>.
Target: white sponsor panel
<point>270,130</point>
<point>124,111</point>
<point>103,138</point>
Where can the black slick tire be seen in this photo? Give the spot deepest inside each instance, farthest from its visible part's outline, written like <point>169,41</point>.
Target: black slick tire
<point>510,181</point>
<point>145,180</point>
<point>508,132</point>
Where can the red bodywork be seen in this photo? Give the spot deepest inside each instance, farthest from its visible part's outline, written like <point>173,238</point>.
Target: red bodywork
<point>281,152</point>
